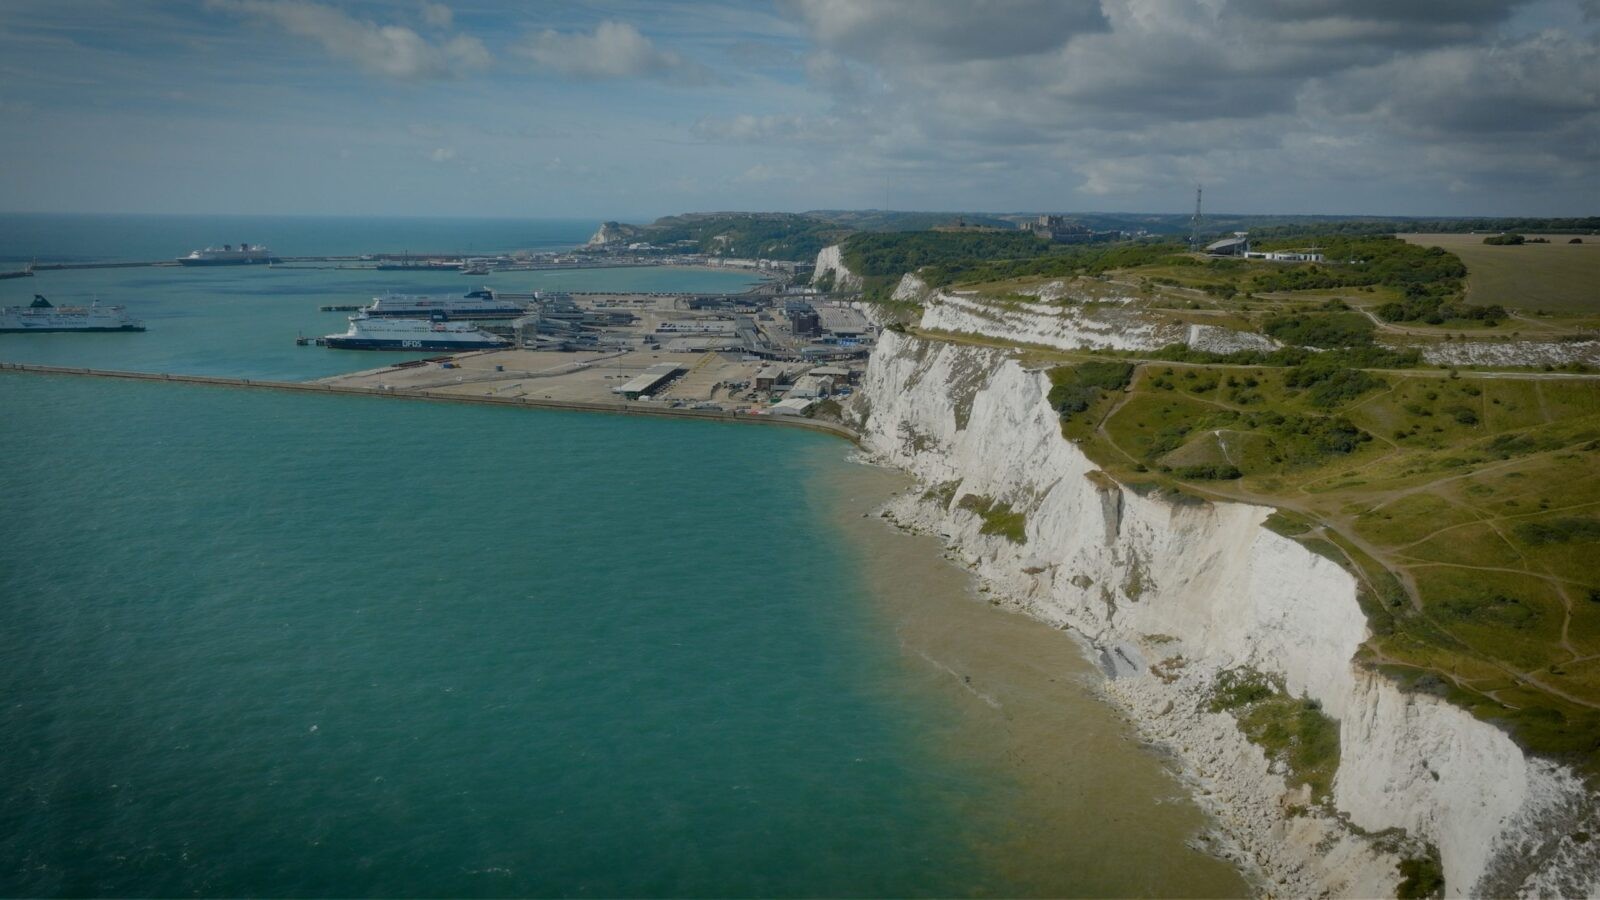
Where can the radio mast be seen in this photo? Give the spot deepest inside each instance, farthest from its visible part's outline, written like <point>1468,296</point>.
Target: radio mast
<point>1194,223</point>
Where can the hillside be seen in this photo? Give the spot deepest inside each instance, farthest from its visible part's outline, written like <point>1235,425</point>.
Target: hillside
<point>1465,502</point>
<point>744,235</point>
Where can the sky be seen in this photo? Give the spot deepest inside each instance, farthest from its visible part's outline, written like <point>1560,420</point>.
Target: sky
<point>628,109</point>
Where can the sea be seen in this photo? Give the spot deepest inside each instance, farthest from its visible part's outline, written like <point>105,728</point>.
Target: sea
<point>285,645</point>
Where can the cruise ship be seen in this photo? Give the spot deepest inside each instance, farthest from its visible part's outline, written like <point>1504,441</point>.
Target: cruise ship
<point>229,255</point>
<point>43,316</point>
<point>479,304</point>
<point>367,333</point>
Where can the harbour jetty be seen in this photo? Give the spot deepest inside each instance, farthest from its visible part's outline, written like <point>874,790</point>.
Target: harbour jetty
<point>618,407</point>
<point>442,263</point>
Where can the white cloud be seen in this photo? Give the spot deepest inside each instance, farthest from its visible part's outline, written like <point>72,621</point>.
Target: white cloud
<point>442,154</point>
<point>437,15</point>
<point>613,50</point>
<point>390,50</point>
<point>756,129</point>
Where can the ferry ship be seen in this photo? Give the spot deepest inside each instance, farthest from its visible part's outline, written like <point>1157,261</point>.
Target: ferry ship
<point>367,333</point>
<point>479,304</point>
<point>43,316</point>
<point>229,255</point>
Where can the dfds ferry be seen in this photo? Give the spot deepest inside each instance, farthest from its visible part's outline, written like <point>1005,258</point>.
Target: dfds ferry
<point>367,333</point>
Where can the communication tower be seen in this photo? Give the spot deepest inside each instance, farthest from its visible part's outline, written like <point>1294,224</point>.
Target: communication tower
<point>1194,223</point>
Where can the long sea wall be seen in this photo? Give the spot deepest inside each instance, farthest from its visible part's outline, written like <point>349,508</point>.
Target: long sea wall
<point>1170,594</point>
<point>619,407</point>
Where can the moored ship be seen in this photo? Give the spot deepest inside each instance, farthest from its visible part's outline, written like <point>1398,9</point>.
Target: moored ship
<point>229,255</point>
<point>479,304</point>
<point>44,316</point>
<point>367,333</point>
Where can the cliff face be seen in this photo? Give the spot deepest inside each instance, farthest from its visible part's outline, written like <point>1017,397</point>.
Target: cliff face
<point>831,260</point>
<point>613,232</point>
<point>1520,353</point>
<point>1108,322</point>
<point>1172,594</point>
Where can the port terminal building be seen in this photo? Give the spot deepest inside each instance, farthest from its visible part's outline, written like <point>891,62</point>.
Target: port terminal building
<point>649,381</point>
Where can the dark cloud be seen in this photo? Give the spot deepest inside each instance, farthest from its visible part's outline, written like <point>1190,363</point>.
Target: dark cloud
<point>1475,13</point>
<point>1135,96</point>
<point>1542,92</point>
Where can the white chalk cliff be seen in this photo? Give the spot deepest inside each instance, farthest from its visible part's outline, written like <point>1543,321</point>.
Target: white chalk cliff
<point>1171,594</point>
<point>830,259</point>
<point>1518,353</point>
<point>1061,320</point>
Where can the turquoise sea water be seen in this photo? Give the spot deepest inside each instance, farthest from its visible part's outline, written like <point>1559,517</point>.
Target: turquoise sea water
<point>243,320</point>
<point>52,237</point>
<point>293,645</point>
<point>276,644</point>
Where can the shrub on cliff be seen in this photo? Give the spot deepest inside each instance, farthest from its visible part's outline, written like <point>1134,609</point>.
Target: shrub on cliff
<point>1559,531</point>
<point>1322,330</point>
<point>1215,472</point>
<point>998,517</point>
<point>1074,389</point>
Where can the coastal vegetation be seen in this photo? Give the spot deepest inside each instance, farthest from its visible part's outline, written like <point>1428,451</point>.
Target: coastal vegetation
<point>998,517</point>
<point>1074,389</point>
<point>880,259</point>
<point>746,235</point>
<point>1420,877</point>
<point>1466,227</point>
<point>1466,507</point>
<point>1325,331</point>
<point>1291,730</point>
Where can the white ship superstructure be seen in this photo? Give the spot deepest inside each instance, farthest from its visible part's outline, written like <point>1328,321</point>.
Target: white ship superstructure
<point>368,333</point>
<point>479,304</point>
<point>43,316</point>
<point>229,255</point>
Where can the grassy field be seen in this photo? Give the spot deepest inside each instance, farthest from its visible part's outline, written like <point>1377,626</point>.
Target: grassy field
<point>1468,506</point>
<point>1556,277</point>
<point>1222,297</point>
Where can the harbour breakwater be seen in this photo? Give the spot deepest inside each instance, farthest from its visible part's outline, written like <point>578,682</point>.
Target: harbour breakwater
<point>1172,596</point>
<point>618,408</point>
